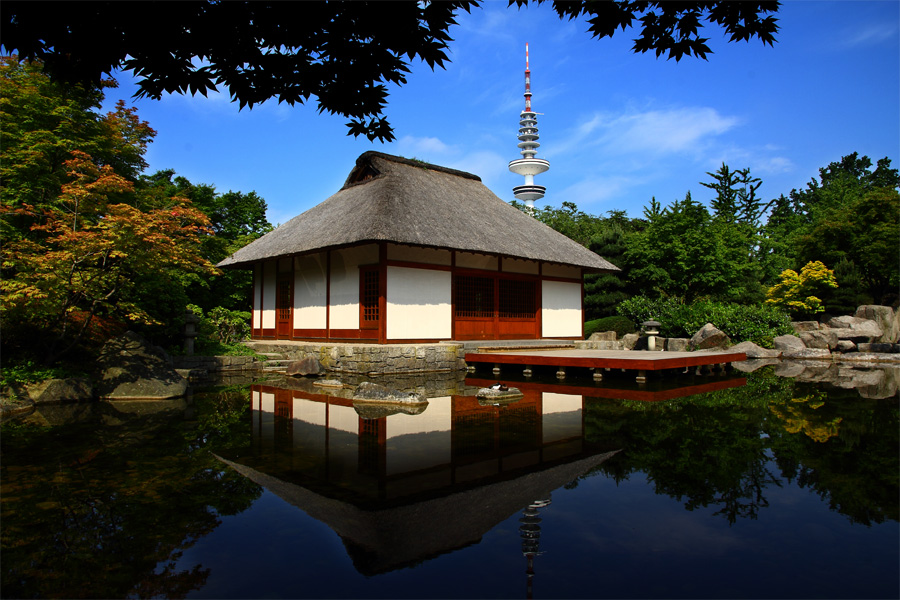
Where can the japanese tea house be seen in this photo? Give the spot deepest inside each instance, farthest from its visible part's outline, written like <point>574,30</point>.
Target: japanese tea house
<point>408,251</point>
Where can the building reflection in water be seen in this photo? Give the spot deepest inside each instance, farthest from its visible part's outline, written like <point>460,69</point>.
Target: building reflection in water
<point>401,488</point>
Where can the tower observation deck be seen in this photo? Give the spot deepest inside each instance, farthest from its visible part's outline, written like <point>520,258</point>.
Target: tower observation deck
<point>528,166</point>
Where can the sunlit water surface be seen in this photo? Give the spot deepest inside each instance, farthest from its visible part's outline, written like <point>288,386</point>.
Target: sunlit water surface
<point>729,487</point>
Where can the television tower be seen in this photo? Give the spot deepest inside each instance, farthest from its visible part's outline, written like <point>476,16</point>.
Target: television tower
<point>528,166</point>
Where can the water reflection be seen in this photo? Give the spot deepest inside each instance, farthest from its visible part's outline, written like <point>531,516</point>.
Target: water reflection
<point>133,502</point>
<point>401,488</point>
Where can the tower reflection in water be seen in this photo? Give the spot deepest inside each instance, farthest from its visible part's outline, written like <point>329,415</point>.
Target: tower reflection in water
<point>530,530</point>
<point>401,488</point>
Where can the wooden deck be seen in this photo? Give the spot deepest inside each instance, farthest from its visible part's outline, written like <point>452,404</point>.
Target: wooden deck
<point>598,360</point>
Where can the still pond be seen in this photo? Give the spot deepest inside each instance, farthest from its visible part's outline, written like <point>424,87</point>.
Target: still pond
<point>727,486</point>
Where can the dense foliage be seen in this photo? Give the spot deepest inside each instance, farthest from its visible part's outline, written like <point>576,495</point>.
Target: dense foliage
<point>797,292</point>
<point>341,53</point>
<point>92,246</point>
<point>726,449</point>
<point>740,322</point>
<point>621,325</point>
<point>736,248</point>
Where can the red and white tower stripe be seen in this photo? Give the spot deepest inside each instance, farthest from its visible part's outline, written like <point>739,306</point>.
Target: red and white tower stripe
<point>528,166</point>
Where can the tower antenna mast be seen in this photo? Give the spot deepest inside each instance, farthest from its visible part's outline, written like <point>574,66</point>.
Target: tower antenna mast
<point>528,166</point>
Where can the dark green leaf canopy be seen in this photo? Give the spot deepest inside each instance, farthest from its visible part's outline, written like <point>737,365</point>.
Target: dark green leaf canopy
<point>341,53</point>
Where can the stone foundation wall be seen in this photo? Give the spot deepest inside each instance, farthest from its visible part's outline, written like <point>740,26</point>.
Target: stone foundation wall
<point>218,363</point>
<point>373,358</point>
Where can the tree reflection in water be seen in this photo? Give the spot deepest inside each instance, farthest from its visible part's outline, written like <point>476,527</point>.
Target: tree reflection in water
<point>108,507</point>
<point>105,508</point>
<point>715,449</point>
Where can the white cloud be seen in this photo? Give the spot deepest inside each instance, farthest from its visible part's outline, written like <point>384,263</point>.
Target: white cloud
<point>870,34</point>
<point>594,190</point>
<point>655,132</point>
<point>761,161</point>
<point>423,148</point>
<point>490,166</point>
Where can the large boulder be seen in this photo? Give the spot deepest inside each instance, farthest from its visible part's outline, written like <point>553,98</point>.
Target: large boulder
<point>603,336</point>
<point>753,364</point>
<point>801,326</point>
<point>787,343</point>
<point>887,319</point>
<point>709,337</point>
<point>133,369</point>
<point>629,340</point>
<point>753,351</point>
<point>855,328</point>
<point>807,353</point>
<point>74,389</point>
<point>845,346</point>
<point>887,387</point>
<point>822,338</point>
<point>308,365</point>
<point>373,392</point>
<point>678,344</point>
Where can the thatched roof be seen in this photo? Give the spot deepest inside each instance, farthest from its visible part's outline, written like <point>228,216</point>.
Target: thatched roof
<point>401,534</point>
<point>394,199</point>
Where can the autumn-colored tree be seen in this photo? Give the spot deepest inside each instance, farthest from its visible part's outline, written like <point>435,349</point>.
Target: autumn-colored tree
<point>42,123</point>
<point>91,257</point>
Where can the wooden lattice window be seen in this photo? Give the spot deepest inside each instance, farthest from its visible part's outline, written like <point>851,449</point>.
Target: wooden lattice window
<point>474,297</point>
<point>517,299</point>
<point>369,295</point>
<point>284,299</point>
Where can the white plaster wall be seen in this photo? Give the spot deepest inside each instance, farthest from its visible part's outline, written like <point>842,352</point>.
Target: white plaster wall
<point>343,418</point>
<point>470,260</point>
<point>310,293</point>
<point>268,301</point>
<point>437,417</point>
<point>420,441</point>
<point>561,309</point>
<point>515,265</point>
<point>267,402</point>
<point>344,312</point>
<point>431,256</point>
<point>418,304</point>
<point>551,270</point>
<point>310,411</point>
<point>561,417</point>
<point>257,296</point>
<point>560,403</point>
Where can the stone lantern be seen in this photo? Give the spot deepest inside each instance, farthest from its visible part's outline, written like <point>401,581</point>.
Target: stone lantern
<point>190,331</point>
<point>651,330</point>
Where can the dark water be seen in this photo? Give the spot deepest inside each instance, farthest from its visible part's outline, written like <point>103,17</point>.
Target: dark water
<point>755,486</point>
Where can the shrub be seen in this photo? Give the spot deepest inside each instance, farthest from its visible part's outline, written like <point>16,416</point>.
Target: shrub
<point>801,293</point>
<point>220,331</point>
<point>755,323</point>
<point>25,371</point>
<point>621,325</point>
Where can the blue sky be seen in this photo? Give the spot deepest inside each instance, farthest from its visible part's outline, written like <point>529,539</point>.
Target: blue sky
<point>617,128</point>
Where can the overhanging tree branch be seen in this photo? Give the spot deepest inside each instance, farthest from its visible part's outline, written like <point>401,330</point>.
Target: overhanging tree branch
<point>340,53</point>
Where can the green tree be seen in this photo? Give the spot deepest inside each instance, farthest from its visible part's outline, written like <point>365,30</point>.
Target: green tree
<point>852,213</point>
<point>683,251</point>
<point>341,53</point>
<point>236,219</point>
<point>604,291</point>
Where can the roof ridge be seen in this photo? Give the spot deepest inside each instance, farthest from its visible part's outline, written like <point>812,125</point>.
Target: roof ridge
<point>365,158</point>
